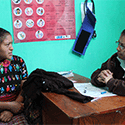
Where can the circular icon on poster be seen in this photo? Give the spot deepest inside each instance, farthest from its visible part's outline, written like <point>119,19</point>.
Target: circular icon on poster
<point>29,23</point>
<point>16,1</point>
<point>21,35</point>
<point>40,11</point>
<point>17,11</point>
<point>39,1</point>
<point>28,1</point>
<point>40,22</point>
<point>17,23</point>
<point>39,34</point>
<point>28,11</point>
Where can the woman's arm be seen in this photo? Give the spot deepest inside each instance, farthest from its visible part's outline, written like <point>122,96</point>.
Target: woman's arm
<point>14,106</point>
<point>18,102</point>
<point>20,98</point>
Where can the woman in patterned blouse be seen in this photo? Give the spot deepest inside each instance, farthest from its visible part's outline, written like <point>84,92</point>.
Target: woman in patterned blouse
<point>13,73</point>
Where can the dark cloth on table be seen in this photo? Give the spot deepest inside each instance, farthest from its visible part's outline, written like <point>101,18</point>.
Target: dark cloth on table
<point>41,80</point>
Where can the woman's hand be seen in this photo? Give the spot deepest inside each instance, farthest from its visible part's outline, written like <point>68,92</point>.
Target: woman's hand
<point>6,116</point>
<point>105,76</point>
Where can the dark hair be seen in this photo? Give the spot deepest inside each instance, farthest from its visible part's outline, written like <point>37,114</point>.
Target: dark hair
<point>3,34</point>
<point>123,33</point>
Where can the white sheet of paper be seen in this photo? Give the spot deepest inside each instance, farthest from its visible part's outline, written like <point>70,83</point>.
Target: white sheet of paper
<point>66,73</point>
<point>89,90</point>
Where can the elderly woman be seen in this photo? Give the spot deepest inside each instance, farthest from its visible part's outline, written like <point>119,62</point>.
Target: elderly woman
<point>13,73</point>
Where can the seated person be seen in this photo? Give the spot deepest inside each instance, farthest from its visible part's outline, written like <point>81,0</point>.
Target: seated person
<point>112,72</point>
<point>13,73</point>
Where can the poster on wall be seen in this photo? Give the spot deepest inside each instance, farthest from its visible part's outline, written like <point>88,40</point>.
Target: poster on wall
<point>43,20</point>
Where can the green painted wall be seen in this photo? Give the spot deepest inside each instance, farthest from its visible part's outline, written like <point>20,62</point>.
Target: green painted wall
<point>57,55</point>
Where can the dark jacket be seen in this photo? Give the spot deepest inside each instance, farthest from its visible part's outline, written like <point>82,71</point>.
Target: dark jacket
<point>43,81</point>
<point>115,84</point>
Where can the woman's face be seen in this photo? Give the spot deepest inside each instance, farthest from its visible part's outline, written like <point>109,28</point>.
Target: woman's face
<point>121,48</point>
<point>6,48</point>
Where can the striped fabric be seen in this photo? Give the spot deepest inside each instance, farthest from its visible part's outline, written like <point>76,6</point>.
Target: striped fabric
<point>9,97</point>
<point>16,120</point>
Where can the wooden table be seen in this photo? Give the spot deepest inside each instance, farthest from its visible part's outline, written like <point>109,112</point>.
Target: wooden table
<point>61,110</point>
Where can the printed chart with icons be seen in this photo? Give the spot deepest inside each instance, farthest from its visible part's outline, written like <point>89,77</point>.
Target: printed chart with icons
<point>43,20</point>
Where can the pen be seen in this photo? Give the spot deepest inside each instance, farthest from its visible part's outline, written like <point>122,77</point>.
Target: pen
<point>66,73</point>
<point>103,92</point>
<point>85,89</point>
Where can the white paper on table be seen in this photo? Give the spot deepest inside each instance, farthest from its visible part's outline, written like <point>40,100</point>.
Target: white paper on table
<point>66,73</point>
<point>88,89</point>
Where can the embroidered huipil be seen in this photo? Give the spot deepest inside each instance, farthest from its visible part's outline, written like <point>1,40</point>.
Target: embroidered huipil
<point>11,73</point>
